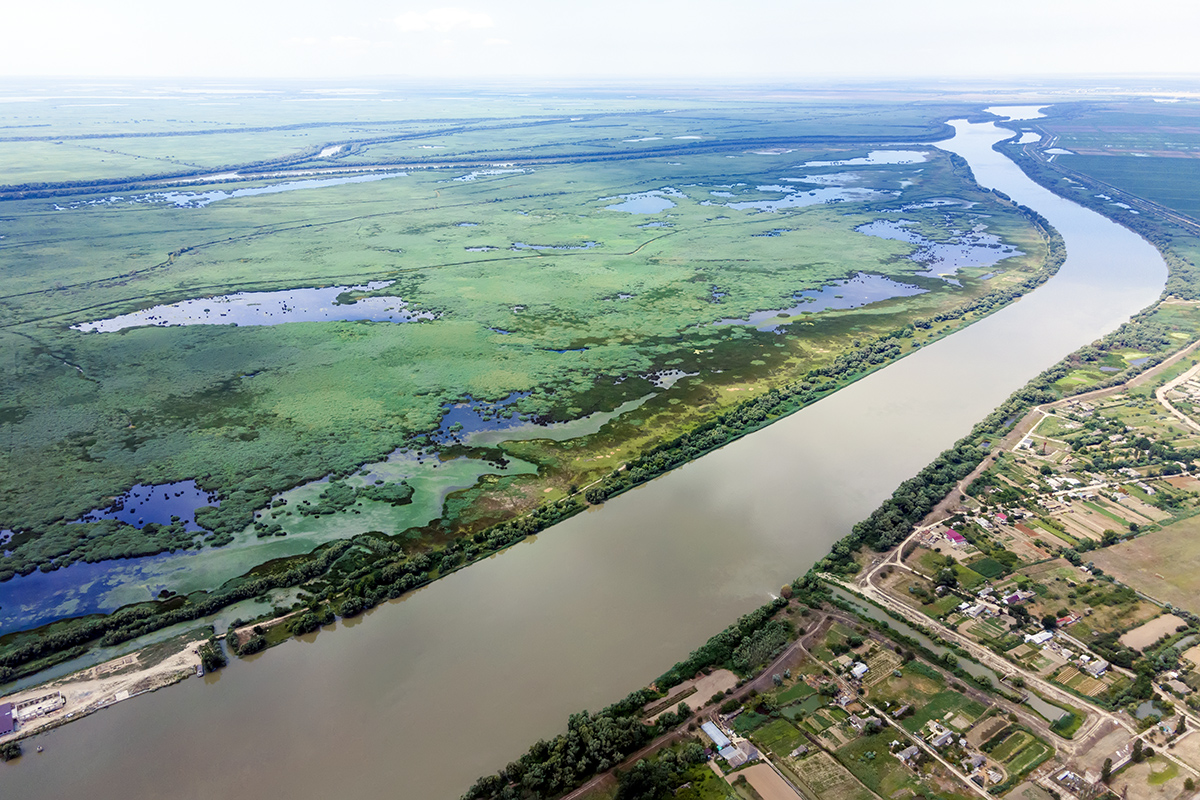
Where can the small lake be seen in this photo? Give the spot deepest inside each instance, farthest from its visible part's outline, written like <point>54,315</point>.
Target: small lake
<point>1148,709</point>
<point>488,173</point>
<point>652,202</point>
<point>799,198</point>
<point>854,292</point>
<point>973,248</point>
<point>481,424</point>
<point>876,157</point>
<point>267,308</point>
<point>145,504</point>
<point>523,246</point>
<point>201,199</point>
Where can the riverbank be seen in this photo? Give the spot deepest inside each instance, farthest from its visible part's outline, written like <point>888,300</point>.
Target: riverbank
<point>75,696</point>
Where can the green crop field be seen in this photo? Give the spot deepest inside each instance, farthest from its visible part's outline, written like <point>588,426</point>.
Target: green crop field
<point>779,737</point>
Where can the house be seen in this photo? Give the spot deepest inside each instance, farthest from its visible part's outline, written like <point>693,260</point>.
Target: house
<point>8,721</point>
<point>955,538</point>
<point>734,755</point>
<point>1040,638</point>
<point>1096,668</point>
<point>974,611</point>
<point>942,739</point>
<point>908,754</point>
<point>974,762</point>
<point>994,776</point>
<point>859,669</point>
<point>901,711</point>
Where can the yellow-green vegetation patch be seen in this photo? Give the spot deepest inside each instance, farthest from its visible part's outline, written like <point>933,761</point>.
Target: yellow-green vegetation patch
<point>1162,564</point>
<point>799,691</point>
<point>870,760</point>
<point>827,779</point>
<point>779,737</point>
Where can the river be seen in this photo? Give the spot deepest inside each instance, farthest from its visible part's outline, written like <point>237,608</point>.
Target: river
<point>458,679</point>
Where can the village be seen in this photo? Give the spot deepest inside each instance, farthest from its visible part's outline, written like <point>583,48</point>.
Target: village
<point>1015,645</point>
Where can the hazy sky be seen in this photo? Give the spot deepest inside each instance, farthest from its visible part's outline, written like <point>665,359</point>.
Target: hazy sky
<point>648,39</point>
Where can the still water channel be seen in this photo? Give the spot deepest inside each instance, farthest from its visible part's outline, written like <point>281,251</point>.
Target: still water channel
<point>458,679</point>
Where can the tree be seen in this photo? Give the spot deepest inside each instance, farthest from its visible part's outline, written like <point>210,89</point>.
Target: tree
<point>1182,726</point>
<point>1189,785</point>
<point>1049,622</point>
<point>1137,756</point>
<point>947,577</point>
<point>1106,770</point>
<point>212,657</point>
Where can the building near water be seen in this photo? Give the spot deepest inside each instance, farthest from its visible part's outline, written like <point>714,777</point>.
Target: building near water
<point>8,720</point>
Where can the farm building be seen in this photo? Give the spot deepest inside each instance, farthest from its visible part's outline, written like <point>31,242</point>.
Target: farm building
<point>1039,638</point>
<point>8,722</point>
<point>719,739</point>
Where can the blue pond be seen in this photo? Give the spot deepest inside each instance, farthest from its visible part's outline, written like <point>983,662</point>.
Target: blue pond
<point>145,504</point>
<point>523,246</point>
<point>268,308</point>
<point>651,202</point>
<point>201,199</point>
<point>850,293</point>
<point>82,588</point>
<point>474,416</point>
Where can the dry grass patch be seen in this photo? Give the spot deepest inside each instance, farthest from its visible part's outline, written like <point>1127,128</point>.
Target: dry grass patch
<point>1145,635</point>
<point>1164,564</point>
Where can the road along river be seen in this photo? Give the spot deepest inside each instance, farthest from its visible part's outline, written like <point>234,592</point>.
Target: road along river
<point>458,679</point>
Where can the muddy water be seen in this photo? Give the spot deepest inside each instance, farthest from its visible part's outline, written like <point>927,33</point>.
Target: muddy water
<point>429,692</point>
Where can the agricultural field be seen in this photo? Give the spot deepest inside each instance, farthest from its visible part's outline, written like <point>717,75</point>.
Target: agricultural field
<point>1020,752</point>
<point>1162,564</point>
<point>1149,150</point>
<point>826,778</point>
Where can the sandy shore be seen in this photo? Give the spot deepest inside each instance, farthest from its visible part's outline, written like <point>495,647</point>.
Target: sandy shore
<point>94,688</point>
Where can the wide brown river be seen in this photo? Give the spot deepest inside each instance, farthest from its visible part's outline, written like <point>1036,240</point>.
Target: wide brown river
<point>432,691</point>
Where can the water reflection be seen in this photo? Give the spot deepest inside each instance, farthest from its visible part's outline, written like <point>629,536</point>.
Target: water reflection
<point>268,308</point>
<point>860,290</point>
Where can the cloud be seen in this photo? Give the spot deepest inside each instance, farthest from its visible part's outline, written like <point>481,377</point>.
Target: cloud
<point>442,20</point>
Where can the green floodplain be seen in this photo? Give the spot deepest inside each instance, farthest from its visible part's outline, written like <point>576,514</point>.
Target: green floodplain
<point>605,331</point>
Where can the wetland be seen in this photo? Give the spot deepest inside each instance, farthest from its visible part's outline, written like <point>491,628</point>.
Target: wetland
<point>726,528</point>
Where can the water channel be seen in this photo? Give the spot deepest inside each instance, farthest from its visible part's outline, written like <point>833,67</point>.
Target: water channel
<point>458,679</point>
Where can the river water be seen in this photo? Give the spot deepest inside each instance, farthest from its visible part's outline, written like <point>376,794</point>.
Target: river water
<point>458,679</point>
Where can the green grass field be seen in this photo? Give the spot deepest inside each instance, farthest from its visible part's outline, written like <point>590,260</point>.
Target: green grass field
<point>779,737</point>
<point>798,692</point>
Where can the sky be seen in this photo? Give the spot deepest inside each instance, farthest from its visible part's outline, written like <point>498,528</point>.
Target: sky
<point>557,40</point>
